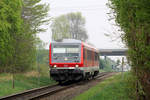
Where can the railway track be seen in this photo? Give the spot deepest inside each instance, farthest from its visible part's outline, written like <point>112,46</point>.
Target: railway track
<point>37,93</point>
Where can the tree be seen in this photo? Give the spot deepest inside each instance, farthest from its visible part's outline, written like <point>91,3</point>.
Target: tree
<point>20,21</point>
<point>77,23</point>
<point>70,25</point>
<point>10,28</point>
<point>134,19</point>
<point>34,14</point>
<point>118,62</point>
<point>107,64</point>
<point>42,53</point>
<point>10,31</point>
<point>60,28</point>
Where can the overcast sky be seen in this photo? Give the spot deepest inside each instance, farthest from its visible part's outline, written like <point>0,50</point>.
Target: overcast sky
<point>97,24</point>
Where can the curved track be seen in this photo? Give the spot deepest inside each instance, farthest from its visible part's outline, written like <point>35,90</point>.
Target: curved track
<point>44,91</point>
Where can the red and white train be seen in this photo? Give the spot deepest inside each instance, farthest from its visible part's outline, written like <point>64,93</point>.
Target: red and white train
<point>72,59</point>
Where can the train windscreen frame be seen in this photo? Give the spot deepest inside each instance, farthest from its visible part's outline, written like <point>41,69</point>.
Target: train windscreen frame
<point>66,53</point>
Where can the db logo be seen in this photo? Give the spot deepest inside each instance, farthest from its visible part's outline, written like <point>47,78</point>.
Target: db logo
<point>65,65</point>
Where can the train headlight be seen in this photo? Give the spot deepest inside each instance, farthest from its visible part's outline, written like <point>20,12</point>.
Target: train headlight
<point>55,66</point>
<point>77,66</point>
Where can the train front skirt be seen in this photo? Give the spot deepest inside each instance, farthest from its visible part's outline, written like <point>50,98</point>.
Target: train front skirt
<point>66,74</point>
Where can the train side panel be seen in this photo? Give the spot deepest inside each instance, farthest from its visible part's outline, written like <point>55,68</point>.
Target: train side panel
<point>91,62</point>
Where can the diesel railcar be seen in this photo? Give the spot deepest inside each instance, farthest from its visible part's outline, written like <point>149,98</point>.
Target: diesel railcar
<point>72,59</point>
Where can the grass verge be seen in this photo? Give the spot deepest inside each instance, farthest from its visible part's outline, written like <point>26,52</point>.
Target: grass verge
<point>22,82</point>
<point>117,87</point>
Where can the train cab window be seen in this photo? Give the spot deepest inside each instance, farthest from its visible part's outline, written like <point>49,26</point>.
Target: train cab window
<point>66,53</point>
<point>66,50</point>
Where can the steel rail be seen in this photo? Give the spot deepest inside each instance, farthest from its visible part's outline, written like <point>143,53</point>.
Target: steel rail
<point>43,91</point>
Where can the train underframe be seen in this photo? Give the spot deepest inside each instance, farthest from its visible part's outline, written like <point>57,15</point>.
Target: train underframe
<point>63,75</point>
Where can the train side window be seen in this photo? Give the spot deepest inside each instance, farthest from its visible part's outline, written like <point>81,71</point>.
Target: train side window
<point>95,56</point>
<point>84,53</point>
<point>92,58</point>
<point>88,55</point>
<point>84,56</point>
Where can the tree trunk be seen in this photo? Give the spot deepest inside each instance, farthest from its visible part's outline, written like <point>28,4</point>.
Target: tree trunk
<point>146,84</point>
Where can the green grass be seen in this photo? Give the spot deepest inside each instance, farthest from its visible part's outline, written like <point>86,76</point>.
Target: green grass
<point>22,83</point>
<point>115,88</point>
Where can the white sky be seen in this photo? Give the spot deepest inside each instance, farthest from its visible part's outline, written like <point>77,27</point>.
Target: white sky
<point>97,24</point>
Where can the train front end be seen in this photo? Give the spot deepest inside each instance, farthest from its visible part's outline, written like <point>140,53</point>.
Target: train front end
<point>65,58</point>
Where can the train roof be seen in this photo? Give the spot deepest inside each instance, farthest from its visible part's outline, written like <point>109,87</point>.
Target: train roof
<point>67,41</point>
<point>90,47</point>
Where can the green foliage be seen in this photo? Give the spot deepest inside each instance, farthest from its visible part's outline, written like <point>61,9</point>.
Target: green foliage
<point>19,24</point>
<point>10,28</point>
<point>107,64</point>
<point>118,62</point>
<point>43,56</point>
<point>133,16</point>
<point>70,25</point>
<point>60,28</point>
<point>34,14</point>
